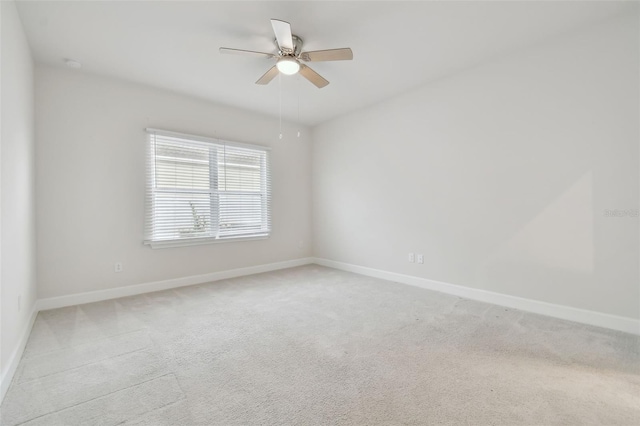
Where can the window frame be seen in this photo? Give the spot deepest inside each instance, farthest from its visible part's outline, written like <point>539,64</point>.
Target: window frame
<point>265,184</point>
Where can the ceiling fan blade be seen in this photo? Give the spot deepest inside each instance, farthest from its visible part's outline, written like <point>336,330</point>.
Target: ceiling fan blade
<point>344,54</point>
<point>282,30</point>
<point>268,76</point>
<point>228,50</point>
<point>313,76</point>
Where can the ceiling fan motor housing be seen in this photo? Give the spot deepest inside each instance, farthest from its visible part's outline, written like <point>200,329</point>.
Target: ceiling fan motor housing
<point>297,46</point>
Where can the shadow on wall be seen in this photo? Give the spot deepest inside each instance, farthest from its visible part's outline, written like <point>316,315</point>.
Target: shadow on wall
<point>561,235</point>
<point>572,241</point>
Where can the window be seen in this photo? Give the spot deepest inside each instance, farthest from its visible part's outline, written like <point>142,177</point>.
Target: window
<point>202,190</point>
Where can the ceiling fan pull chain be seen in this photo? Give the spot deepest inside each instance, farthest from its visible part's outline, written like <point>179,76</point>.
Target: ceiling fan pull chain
<point>298,93</point>
<point>280,101</point>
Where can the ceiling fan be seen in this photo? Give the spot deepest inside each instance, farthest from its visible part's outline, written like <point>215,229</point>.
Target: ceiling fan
<point>290,56</point>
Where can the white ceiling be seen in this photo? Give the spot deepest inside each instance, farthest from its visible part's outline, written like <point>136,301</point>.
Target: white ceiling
<point>396,45</point>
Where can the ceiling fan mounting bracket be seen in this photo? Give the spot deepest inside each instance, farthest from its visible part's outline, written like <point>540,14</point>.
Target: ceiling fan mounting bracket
<point>297,46</point>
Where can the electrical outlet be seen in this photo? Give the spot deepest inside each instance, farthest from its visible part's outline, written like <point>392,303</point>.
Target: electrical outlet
<point>118,267</point>
<point>420,258</point>
<point>412,257</point>
<point>300,244</point>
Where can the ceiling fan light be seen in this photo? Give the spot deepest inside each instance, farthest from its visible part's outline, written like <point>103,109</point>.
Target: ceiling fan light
<point>288,66</point>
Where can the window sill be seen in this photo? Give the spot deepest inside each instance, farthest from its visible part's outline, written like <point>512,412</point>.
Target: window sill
<point>201,241</point>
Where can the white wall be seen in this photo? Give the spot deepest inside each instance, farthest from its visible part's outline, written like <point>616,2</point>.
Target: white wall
<point>90,183</point>
<point>499,175</point>
<point>17,190</point>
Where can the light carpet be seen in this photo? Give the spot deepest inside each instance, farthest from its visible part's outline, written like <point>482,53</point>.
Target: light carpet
<point>318,346</point>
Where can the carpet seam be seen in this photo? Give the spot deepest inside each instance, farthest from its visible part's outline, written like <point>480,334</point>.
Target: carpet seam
<point>99,397</point>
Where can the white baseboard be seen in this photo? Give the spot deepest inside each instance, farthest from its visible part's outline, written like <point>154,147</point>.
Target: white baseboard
<point>16,355</point>
<point>132,290</point>
<point>614,322</point>
<point>114,293</point>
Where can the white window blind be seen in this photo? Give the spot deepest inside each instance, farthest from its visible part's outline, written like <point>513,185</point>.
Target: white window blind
<point>203,190</point>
